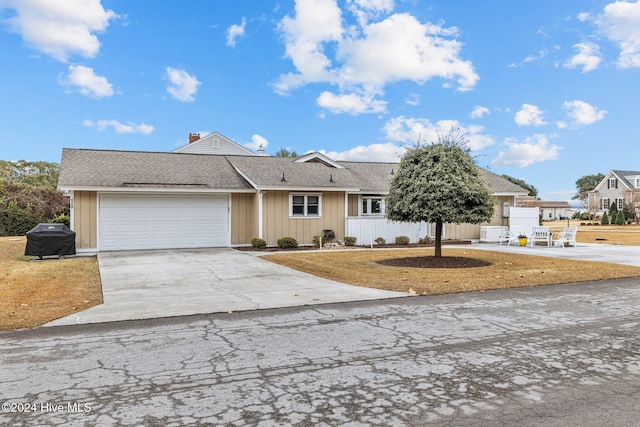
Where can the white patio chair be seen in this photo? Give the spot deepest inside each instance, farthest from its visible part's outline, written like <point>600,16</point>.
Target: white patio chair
<point>567,237</point>
<point>511,235</point>
<point>540,234</point>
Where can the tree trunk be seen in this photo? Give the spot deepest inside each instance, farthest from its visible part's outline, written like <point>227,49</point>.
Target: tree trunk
<point>438,244</point>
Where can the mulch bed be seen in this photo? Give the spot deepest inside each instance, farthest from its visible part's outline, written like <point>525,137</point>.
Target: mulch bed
<point>434,262</point>
<point>386,246</point>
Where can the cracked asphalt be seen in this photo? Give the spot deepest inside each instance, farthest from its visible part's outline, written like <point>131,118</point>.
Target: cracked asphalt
<point>555,356</point>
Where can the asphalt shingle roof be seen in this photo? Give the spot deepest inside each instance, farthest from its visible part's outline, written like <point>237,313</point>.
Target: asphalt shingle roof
<point>108,168</point>
<point>104,168</point>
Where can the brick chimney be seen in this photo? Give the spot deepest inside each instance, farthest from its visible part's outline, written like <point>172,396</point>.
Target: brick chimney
<point>193,137</point>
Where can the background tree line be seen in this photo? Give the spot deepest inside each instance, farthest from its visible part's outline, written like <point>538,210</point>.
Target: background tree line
<point>28,196</point>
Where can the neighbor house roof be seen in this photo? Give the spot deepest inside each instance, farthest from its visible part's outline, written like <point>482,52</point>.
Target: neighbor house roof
<point>625,176</point>
<point>82,168</point>
<point>532,202</point>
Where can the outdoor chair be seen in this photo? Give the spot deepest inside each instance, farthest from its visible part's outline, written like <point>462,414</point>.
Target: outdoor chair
<point>540,234</point>
<point>567,237</point>
<point>511,235</point>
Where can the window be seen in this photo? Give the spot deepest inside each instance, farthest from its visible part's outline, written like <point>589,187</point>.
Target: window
<point>605,204</point>
<point>372,205</point>
<point>215,143</point>
<point>637,182</point>
<point>613,183</point>
<point>305,205</point>
<point>620,204</point>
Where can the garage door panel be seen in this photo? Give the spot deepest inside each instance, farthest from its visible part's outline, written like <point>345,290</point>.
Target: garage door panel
<point>163,221</point>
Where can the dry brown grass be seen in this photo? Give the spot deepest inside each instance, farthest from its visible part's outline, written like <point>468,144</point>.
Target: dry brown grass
<point>605,234</point>
<point>507,270</point>
<point>33,293</point>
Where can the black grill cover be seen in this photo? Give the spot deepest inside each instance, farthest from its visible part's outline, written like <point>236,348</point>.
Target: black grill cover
<point>50,239</point>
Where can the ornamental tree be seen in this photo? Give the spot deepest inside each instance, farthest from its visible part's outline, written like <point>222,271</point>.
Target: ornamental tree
<point>439,183</point>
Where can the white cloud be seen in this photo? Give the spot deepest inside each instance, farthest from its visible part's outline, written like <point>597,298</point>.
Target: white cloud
<point>413,99</point>
<point>119,127</point>
<point>59,28</point>
<point>387,152</point>
<point>182,86</point>
<point>323,51</point>
<point>582,112</point>
<point>364,10</point>
<point>235,31</point>
<point>535,149</point>
<point>583,16</point>
<point>561,124</point>
<point>588,57</point>
<point>409,130</point>
<point>87,82</point>
<point>257,142</point>
<point>479,111</point>
<point>620,23</point>
<point>350,103</point>
<point>529,115</point>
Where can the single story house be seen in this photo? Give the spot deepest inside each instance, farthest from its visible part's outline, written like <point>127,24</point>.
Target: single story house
<point>550,210</point>
<point>215,193</point>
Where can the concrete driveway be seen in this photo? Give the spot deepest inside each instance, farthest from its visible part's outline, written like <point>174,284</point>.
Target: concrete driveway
<point>166,283</point>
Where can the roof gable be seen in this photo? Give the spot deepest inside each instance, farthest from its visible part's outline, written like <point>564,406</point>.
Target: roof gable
<point>214,143</point>
<point>318,157</point>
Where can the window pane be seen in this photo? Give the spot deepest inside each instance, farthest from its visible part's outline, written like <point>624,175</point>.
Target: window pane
<point>376,206</point>
<point>312,210</point>
<point>298,205</point>
<point>364,206</point>
<point>312,200</point>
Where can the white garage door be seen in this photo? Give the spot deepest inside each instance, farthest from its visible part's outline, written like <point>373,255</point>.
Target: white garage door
<point>163,221</point>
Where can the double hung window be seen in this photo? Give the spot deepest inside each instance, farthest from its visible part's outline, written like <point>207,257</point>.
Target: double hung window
<point>305,205</point>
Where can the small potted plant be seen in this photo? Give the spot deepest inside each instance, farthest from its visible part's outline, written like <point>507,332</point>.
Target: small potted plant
<point>522,239</point>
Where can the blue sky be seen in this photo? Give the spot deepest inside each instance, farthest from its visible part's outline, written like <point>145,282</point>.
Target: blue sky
<point>547,90</point>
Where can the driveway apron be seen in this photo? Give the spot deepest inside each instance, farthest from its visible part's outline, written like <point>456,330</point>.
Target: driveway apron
<point>166,283</point>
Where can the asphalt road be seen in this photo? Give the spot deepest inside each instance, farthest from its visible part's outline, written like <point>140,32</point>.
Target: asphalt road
<point>565,355</point>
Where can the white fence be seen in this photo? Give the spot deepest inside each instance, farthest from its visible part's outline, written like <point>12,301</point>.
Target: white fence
<point>367,229</point>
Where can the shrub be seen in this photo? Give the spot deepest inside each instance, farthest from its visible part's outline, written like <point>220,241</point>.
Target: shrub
<point>402,240</point>
<point>15,221</point>
<point>350,240</point>
<point>258,243</point>
<point>62,219</point>
<point>620,218</point>
<point>426,240</point>
<point>316,241</point>
<point>605,219</point>
<point>380,241</point>
<point>287,243</point>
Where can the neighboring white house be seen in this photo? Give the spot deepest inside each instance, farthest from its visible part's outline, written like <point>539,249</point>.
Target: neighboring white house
<point>551,210</point>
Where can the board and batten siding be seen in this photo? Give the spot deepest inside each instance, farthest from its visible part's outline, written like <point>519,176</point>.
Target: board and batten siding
<point>244,218</point>
<point>85,217</point>
<point>278,224</point>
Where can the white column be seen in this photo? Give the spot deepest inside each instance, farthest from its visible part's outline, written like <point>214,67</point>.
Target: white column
<point>260,195</point>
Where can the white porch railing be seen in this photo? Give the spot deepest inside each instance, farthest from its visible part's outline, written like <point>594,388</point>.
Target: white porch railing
<point>367,229</point>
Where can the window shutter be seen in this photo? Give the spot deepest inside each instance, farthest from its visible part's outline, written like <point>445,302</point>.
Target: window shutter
<point>608,183</point>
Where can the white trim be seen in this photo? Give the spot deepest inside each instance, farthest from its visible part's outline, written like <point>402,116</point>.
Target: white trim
<point>242,174</point>
<point>260,213</point>
<point>309,189</point>
<point>72,210</point>
<point>306,206</point>
<point>369,198</point>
